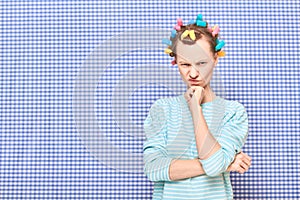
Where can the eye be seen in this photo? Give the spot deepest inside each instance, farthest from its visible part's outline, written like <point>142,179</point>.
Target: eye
<point>202,63</point>
<point>185,64</point>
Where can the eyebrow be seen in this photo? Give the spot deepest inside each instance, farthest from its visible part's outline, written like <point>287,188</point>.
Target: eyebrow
<point>203,60</point>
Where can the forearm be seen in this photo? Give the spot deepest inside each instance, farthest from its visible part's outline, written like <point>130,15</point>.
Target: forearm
<point>182,169</point>
<point>206,143</point>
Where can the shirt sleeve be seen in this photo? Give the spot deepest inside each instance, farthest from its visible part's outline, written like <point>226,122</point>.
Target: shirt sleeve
<point>155,156</point>
<point>232,138</point>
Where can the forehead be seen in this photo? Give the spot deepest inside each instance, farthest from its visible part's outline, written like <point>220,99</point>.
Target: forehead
<point>193,53</point>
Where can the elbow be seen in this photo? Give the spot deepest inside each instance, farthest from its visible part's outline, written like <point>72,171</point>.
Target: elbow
<point>149,173</point>
<point>147,169</point>
<point>216,164</point>
<point>152,174</point>
<point>217,171</point>
<point>158,169</point>
<point>212,173</point>
<point>149,165</point>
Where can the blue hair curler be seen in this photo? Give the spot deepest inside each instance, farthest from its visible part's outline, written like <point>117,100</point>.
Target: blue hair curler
<point>166,41</point>
<point>219,46</point>
<point>199,17</point>
<point>192,21</point>
<point>201,23</point>
<point>173,33</point>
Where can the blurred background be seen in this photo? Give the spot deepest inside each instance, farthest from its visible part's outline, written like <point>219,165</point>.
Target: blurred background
<point>77,79</point>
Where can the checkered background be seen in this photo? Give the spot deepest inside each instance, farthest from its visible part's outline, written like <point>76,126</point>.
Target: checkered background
<point>74,94</point>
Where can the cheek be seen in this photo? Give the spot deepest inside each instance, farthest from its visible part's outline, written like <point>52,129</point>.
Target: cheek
<point>183,71</point>
<point>207,72</point>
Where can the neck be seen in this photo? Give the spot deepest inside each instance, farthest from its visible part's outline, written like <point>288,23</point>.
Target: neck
<point>209,94</point>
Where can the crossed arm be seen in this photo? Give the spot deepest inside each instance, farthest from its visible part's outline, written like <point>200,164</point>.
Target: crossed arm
<point>208,147</point>
<point>182,169</point>
<point>160,167</point>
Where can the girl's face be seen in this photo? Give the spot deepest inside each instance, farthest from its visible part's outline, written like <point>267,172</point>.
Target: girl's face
<point>195,62</point>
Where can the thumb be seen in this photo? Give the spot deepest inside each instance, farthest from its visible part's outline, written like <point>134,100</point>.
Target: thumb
<point>197,95</point>
<point>188,94</point>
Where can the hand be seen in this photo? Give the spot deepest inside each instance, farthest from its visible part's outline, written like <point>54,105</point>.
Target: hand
<point>241,163</point>
<point>194,96</point>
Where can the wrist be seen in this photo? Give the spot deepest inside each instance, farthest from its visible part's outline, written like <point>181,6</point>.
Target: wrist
<point>197,115</point>
<point>197,110</point>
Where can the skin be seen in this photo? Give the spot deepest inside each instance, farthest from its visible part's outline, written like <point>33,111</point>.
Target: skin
<point>196,62</point>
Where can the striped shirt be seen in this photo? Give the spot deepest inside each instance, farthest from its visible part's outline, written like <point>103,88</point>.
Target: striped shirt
<point>170,135</point>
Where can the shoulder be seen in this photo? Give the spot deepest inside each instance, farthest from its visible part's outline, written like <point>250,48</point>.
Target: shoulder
<point>162,106</point>
<point>234,109</point>
<point>166,103</point>
<point>236,105</point>
<point>168,100</point>
<point>158,114</point>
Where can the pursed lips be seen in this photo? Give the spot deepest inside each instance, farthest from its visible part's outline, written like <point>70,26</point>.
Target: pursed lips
<point>194,82</point>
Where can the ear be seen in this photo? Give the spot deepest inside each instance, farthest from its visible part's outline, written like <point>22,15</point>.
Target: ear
<point>216,57</point>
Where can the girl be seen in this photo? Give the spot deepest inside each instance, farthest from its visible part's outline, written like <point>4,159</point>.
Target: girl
<point>194,140</point>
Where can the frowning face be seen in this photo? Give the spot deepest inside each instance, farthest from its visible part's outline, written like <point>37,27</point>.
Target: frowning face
<point>195,62</point>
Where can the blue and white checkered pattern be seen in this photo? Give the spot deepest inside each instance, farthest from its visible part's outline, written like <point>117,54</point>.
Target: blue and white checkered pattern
<point>50,145</point>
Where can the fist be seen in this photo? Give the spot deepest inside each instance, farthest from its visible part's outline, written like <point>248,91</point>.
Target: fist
<point>240,164</point>
<point>194,95</point>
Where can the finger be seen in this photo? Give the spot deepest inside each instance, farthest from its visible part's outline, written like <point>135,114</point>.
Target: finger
<point>245,156</point>
<point>244,159</point>
<point>196,87</point>
<point>189,90</point>
<point>197,93</point>
<point>197,96</point>
<point>247,162</point>
<point>188,94</point>
<point>249,158</point>
<point>244,166</point>
<point>241,171</point>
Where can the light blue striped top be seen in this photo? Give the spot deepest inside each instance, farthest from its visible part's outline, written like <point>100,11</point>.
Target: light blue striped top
<point>169,134</point>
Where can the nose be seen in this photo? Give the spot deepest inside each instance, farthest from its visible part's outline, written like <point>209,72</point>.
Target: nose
<point>193,72</point>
